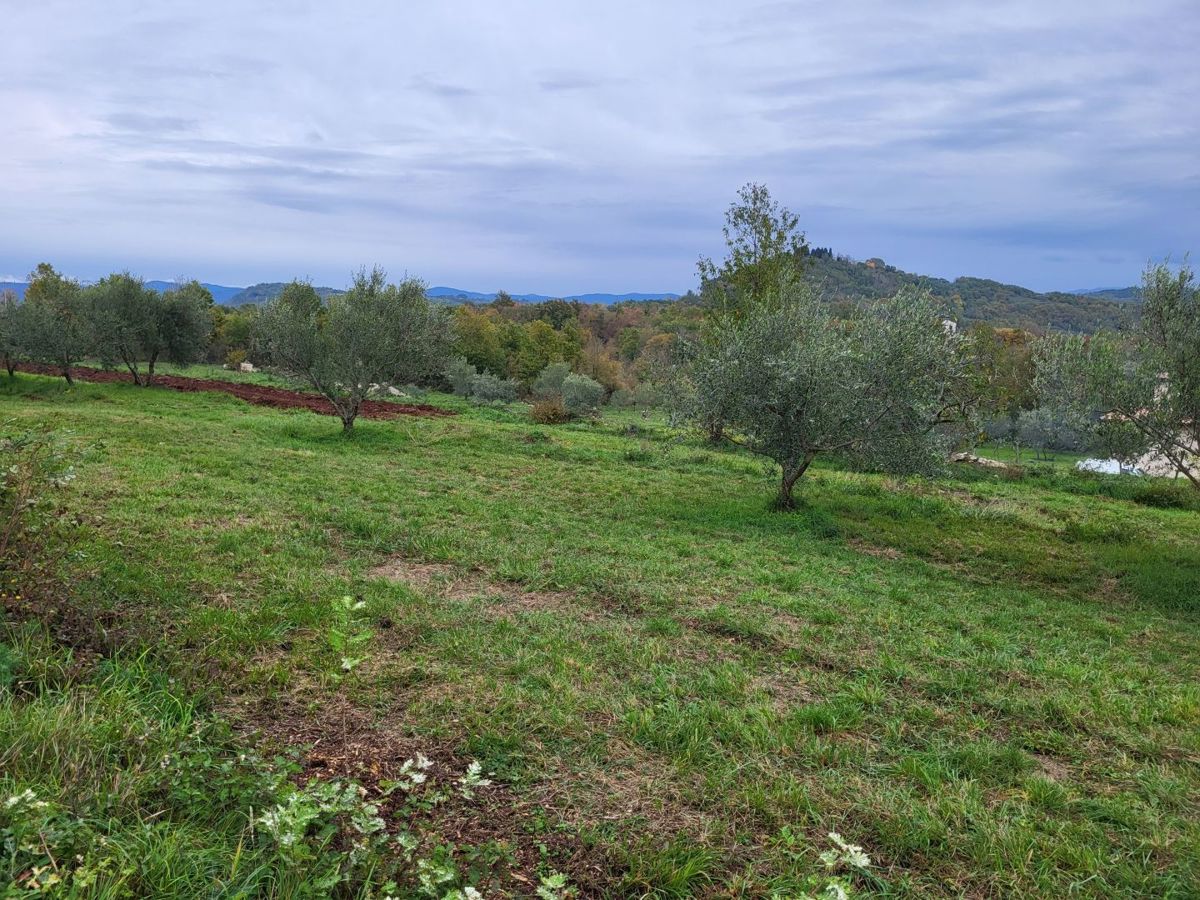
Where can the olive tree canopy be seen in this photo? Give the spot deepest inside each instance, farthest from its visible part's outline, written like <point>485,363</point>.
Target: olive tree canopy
<point>793,382</point>
<point>135,324</point>
<point>55,325</point>
<point>376,333</point>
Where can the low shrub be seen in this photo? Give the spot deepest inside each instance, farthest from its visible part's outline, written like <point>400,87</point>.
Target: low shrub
<point>1163,494</point>
<point>487,388</point>
<point>549,382</point>
<point>582,396</point>
<point>460,374</point>
<point>622,398</point>
<point>549,411</point>
<point>234,359</point>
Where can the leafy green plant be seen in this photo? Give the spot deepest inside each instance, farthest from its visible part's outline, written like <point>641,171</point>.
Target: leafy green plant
<point>348,634</point>
<point>554,886</point>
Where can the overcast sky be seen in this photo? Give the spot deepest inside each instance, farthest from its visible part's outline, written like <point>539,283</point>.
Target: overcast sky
<point>568,147</point>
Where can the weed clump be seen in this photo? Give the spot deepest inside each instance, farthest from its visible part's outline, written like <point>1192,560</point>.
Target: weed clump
<point>550,411</point>
<point>37,464</point>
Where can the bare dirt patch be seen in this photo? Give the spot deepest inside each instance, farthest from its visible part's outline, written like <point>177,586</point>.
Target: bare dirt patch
<point>451,583</point>
<point>786,690</point>
<point>873,550</point>
<point>1054,769</point>
<point>341,740</point>
<point>261,395</point>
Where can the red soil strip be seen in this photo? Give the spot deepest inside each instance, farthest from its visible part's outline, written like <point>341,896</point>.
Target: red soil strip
<point>279,398</point>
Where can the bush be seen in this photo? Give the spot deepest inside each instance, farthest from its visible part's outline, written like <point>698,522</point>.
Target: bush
<point>460,374</point>
<point>550,382</point>
<point>1163,494</point>
<point>622,398</point>
<point>549,411</point>
<point>487,388</point>
<point>581,395</point>
<point>234,359</point>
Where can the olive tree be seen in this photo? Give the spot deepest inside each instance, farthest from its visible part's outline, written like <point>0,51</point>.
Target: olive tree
<point>1138,392</point>
<point>56,327</point>
<point>135,324</point>
<point>792,382</point>
<point>185,324</point>
<point>1046,430</point>
<point>375,333</point>
<point>549,382</point>
<point>582,395</point>
<point>10,331</point>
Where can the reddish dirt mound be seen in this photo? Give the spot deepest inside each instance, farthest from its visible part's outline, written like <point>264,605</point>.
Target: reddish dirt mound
<point>251,393</point>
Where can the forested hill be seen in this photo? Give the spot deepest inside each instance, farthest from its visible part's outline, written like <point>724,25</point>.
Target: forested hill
<point>268,290</point>
<point>982,300</point>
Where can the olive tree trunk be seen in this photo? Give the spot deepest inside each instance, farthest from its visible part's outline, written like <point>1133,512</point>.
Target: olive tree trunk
<point>793,470</point>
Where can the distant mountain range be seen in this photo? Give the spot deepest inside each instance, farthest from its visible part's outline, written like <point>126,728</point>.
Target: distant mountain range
<point>269,290</point>
<point>223,294</point>
<point>838,278</point>
<point>475,296</point>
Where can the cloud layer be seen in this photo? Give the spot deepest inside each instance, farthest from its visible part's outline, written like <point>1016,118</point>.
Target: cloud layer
<point>577,147</point>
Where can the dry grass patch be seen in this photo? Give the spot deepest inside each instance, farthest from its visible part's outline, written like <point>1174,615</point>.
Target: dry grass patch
<point>872,550</point>
<point>452,583</point>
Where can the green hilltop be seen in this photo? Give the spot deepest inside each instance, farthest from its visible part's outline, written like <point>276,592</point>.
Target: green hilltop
<point>840,278</point>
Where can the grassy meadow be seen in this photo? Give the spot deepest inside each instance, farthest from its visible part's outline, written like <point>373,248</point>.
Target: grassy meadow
<point>991,681</point>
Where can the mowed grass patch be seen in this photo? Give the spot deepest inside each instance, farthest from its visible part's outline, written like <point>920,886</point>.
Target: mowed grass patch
<point>991,684</point>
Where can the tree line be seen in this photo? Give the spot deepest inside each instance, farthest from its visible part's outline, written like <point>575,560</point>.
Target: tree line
<point>117,321</point>
<point>757,357</point>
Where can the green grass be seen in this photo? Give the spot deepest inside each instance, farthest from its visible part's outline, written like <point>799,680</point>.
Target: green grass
<point>989,683</point>
<point>114,784</point>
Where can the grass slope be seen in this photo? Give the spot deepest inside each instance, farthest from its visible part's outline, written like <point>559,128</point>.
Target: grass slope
<point>991,684</point>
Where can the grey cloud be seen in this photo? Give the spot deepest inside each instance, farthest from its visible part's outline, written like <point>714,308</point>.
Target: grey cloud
<point>570,81</point>
<point>586,148</point>
<point>446,90</point>
<point>143,122</point>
